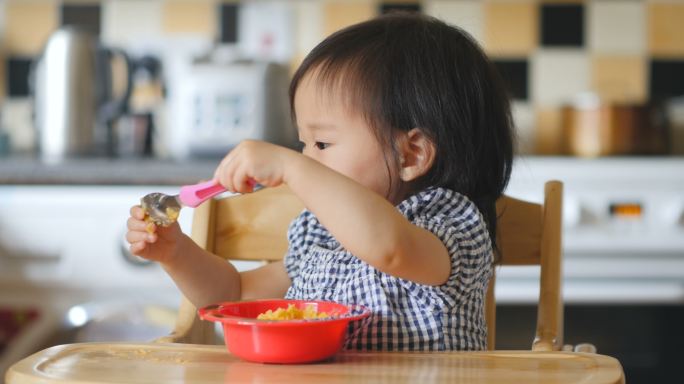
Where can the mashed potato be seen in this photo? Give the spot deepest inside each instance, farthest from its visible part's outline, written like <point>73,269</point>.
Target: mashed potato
<point>293,313</point>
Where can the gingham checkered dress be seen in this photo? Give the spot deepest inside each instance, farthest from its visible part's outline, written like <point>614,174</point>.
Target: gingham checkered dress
<point>405,315</point>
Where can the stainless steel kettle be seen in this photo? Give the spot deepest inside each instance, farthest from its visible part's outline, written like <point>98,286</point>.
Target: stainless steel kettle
<point>74,107</point>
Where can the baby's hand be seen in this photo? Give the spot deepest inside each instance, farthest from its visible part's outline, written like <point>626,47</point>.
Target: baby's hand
<point>254,162</point>
<point>150,241</point>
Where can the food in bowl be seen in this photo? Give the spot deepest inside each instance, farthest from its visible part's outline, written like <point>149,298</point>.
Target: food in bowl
<point>283,341</point>
<point>309,312</point>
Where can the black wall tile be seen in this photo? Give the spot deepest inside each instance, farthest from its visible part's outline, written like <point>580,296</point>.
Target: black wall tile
<point>515,73</point>
<point>86,16</point>
<point>17,76</point>
<point>666,79</point>
<point>229,23</point>
<point>406,7</point>
<point>562,25</point>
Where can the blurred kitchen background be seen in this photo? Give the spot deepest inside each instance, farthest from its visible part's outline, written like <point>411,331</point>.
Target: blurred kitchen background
<point>570,65</point>
<point>104,101</point>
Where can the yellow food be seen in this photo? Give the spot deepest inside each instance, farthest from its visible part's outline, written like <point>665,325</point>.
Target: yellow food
<point>171,213</point>
<point>293,313</point>
<point>150,224</point>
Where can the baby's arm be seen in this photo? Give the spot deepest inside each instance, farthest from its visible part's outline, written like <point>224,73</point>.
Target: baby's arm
<point>368,225</point>
<point>365,223</point>
<point>203,277</point>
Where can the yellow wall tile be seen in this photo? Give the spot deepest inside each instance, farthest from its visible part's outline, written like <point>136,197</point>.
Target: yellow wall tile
<point>548,131</point>
<point>467,15</point>
<point>28,25</point>
<point>619,79</point>
<point>666,29</point>
<point>510,27</point>
<point>340,14</point>
<point>195,17</point>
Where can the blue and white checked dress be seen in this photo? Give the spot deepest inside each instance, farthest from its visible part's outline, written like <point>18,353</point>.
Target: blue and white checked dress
<point>406,316</point>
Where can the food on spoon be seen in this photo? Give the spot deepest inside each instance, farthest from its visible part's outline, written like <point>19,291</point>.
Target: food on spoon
<point>171,213</point>
<point>150,224</point>
<point>293,313</point>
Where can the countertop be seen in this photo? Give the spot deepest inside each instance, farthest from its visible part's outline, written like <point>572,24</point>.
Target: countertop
<point>105,171</point>
<point>30,170</point>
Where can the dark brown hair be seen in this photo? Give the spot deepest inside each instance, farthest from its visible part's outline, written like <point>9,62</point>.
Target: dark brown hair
<point>407,70</point>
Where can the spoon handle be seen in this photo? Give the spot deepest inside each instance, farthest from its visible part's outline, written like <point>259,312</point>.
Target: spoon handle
<point>194,195</point>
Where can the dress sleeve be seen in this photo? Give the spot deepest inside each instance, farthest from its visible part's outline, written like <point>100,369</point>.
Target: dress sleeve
<point>471,257</point>
<point>457,222</point>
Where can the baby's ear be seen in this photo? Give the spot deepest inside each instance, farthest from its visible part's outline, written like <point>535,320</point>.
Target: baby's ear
<point>417,154</point>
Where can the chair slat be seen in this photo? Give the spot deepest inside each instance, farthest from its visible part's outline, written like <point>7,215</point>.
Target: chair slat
<point>254,226</point>
<point>519,231</point>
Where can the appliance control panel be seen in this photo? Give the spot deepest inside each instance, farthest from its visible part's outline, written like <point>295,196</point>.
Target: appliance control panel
<point>612,206</point>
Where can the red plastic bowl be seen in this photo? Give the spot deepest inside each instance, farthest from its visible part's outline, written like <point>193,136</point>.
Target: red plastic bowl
<point>282,341</point>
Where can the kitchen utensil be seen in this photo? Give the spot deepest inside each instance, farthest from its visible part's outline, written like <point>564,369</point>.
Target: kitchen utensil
<point>73,97</point>
<point>164,209</point>
<point>282,341</point>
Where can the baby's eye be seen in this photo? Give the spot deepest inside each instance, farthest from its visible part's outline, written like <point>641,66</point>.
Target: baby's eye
<point>321,145</point>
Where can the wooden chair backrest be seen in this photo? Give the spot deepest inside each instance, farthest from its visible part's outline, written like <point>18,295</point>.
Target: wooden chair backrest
<point>246,227</point>
<point>253,227</point>
<point>530,234</point>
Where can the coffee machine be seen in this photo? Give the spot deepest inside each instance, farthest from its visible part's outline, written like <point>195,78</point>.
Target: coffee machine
<point>73,101</point>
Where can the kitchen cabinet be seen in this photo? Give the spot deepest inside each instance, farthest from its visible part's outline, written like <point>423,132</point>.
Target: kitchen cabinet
<point>64,262</point>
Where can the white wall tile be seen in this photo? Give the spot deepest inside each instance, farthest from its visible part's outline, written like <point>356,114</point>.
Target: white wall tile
<point>17,122</point>
<point>558,76</point>
<point>308,26</point>
<point>464,14</point>
<point>266,30</point>
<point>617,27</point>
<point>524,120</point>
<point>126,22</point>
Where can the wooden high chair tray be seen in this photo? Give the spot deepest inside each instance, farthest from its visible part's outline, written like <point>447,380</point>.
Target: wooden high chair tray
<point>190,363</point>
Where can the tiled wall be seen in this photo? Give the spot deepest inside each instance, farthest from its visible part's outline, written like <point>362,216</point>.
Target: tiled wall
<point>626,51</point>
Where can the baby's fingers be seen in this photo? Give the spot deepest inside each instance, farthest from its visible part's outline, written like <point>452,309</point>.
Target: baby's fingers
<point>140,237</point>
<point>134,224</point>
<point>138,212</point>
<point>138,248</point>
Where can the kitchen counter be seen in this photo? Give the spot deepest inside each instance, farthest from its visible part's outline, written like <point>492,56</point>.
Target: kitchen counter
<point>30,170</point>
<point>105,171</point>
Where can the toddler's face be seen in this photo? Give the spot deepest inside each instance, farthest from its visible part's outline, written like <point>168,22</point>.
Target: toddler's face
<point>340,139</point>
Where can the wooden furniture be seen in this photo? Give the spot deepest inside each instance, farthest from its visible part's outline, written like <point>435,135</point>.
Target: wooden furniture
<point>247,227</point>
<point>189,363</point>
<point>253,227</point>
<point>530,234</point>
<point>255,224</point>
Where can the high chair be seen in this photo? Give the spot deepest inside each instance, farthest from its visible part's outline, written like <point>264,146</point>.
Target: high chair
<point>255,225</point>
<point>530,234</point>
<point>250,227</point>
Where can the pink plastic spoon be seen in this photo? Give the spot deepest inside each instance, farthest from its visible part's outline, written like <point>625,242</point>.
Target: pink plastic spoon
<point>164,209</point>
